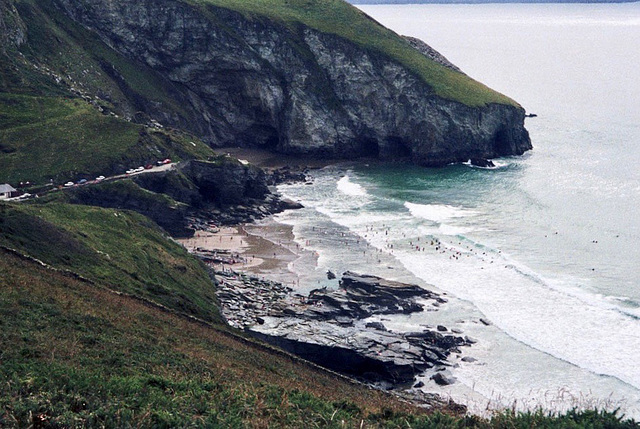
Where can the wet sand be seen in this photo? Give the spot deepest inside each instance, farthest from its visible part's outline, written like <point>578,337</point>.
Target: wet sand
<point>270,258</point>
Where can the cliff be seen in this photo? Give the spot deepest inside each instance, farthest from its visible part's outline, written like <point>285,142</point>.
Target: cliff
<point>11,27</point>
<point>301,78</point>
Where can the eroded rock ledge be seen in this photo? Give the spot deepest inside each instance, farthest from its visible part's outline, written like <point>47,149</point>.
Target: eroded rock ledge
<point>332,327</point>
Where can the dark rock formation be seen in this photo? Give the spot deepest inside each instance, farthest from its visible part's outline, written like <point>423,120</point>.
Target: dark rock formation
<point>362,296</point>
<point>328,327</point>
<point>226,182</point>
<point>481,162</point>
<point>443,378</point>
<point>254,82</point>
<point>194,195</point>
<point>374,356</point>
<point>286,174</point>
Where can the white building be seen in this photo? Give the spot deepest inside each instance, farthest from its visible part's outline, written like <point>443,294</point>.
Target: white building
<point>6,191</point>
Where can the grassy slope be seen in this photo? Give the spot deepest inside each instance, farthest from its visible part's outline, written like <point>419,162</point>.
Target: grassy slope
<point>73,355</point>
<point>116,249</point>
<point>80,58</point>
<point>340,18</point>
<point>58,138</point>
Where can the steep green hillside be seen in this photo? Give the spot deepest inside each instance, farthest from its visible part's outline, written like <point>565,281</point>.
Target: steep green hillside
<point>60,57</point>
<point>340,18</point>
<point>73,355</point>
<point>46,138</point>
<point>117,249</point>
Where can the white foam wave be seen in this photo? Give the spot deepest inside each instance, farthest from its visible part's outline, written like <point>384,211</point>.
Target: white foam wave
<point>437,212</point>
<point>363,218</point>
<point>446,229</point>
<point>557,316</point>
<point>578,329</point>
<point>346,186</point>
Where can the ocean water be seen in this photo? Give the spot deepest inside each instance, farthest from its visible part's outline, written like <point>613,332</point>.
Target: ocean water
<point>545,246</point>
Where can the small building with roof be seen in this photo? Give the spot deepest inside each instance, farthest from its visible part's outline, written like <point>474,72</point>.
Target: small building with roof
<point>6,191</point>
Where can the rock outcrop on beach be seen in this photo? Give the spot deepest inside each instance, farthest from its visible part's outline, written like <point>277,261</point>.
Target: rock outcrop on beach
<point>361,296</point>
<point>274,80</point>
<point>332,327</point>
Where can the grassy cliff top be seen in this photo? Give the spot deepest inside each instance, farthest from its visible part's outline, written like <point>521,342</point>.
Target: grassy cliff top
<point>340,18</point>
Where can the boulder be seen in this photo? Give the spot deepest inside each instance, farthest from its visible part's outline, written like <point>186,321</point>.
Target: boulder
<point>376,325</point>
<point>443,378</point>
<point>481,162</point>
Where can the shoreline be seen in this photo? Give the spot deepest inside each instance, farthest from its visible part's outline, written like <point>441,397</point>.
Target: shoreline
<point>244,248</point>
<point>465,391</point>
<point>259,289</point>
<point>260,293</point>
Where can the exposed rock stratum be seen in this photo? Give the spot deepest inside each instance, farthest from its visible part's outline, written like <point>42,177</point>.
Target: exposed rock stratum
<point>249,80</point>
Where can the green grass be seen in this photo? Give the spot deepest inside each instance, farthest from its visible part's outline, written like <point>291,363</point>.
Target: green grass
<point>61,139</point>
<point>46,138</point>
<point>126,189</point>
<point>91,61</point>
<point>47,134</point>
<point>340,18</point>
<point>73,355</point>
<point>114,248</point>
<point>71,50</point>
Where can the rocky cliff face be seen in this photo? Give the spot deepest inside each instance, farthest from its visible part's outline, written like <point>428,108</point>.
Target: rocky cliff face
<point>11,26</point>
<point>257,82</point>
<point>226,182</point>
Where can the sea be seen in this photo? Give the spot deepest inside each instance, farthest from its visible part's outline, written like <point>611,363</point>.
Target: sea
<point>544,247</point>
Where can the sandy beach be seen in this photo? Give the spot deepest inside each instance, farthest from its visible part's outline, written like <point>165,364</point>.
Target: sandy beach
<point>266,250</point>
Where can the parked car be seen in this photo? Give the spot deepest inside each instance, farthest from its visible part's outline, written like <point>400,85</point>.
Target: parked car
<point>166,161</point>
<point>148,166</point>
<point>100,178</point>
<point>69,184</point>
<point>82,181</point>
